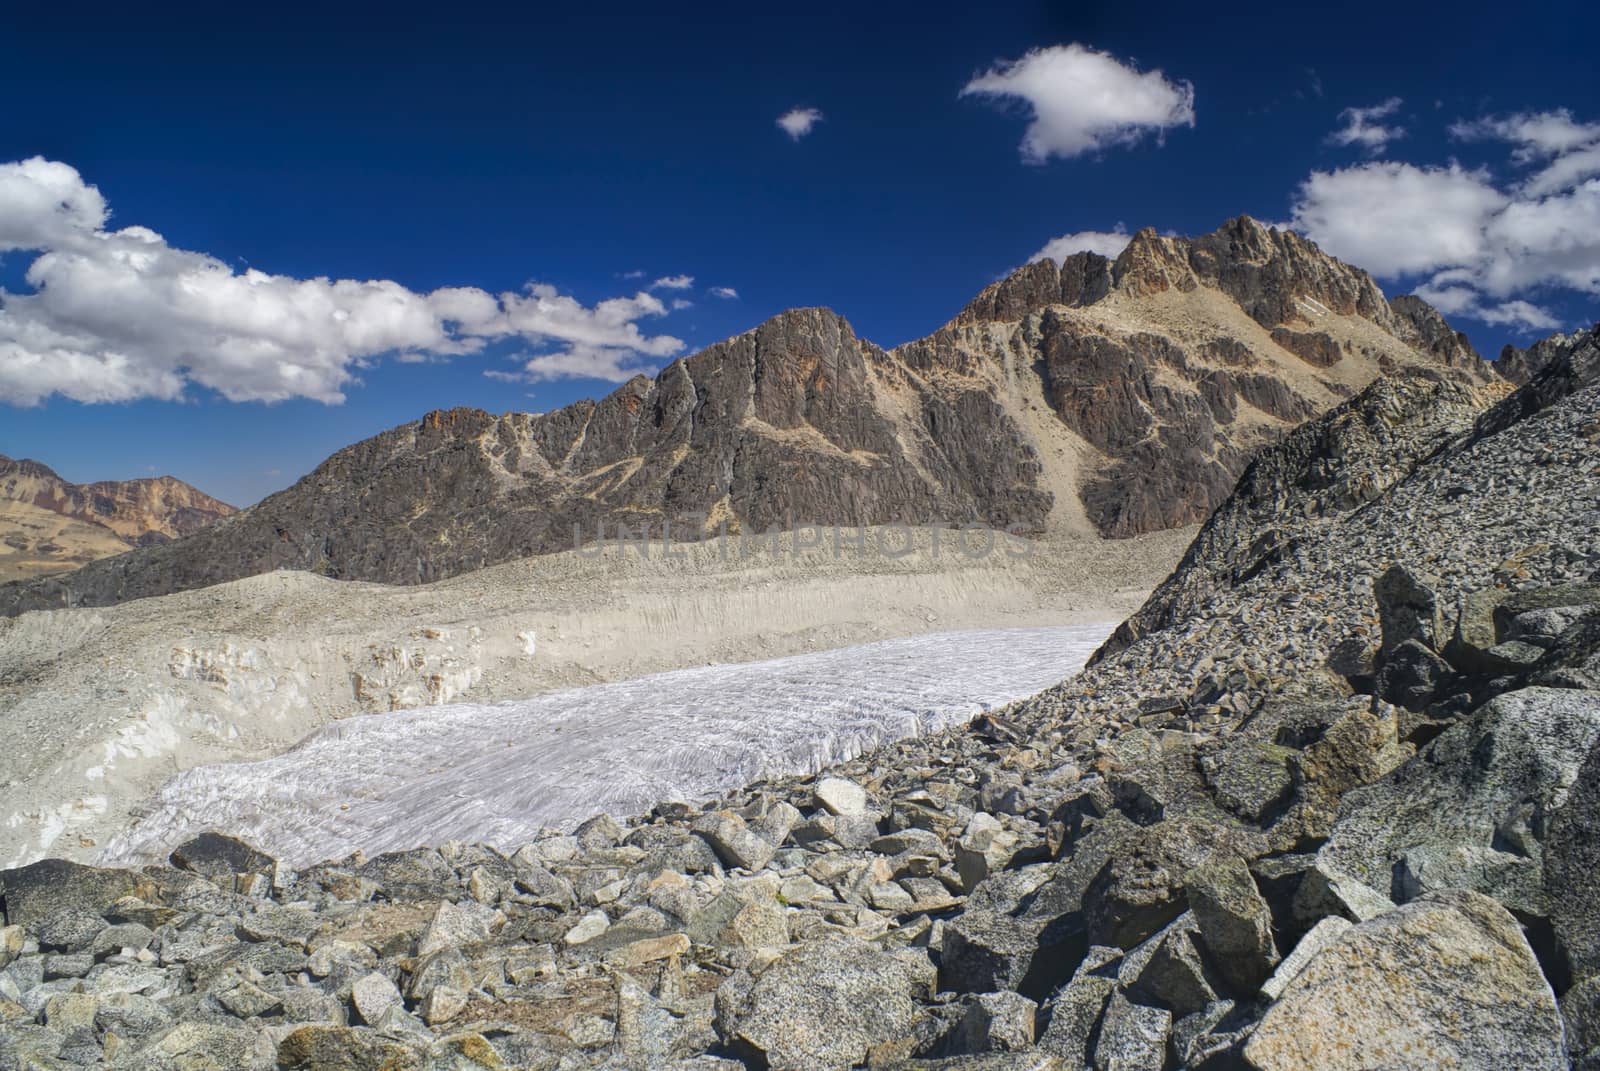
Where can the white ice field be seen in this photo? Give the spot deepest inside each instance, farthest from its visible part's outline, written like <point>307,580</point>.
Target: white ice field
<point>498,773</point>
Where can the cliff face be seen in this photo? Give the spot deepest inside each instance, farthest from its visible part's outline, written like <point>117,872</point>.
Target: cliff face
<point>1115,397</point>
<point>49,525</point>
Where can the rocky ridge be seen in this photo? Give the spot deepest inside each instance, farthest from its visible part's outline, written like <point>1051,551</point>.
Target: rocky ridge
<point>1097,396</point>
<point>50,525</point>
<point>1337,810</point>
<point>1519,366</point>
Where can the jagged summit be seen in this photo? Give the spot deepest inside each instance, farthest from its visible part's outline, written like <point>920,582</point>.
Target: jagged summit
<point>1096,396</point>
<point>1276,277</point>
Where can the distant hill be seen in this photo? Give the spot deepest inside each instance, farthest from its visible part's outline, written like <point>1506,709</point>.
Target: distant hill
<point>1108,396</point>
<point>48,525</point>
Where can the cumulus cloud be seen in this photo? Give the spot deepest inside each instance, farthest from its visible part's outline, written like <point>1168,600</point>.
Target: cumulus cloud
<point>1083,100</point>
<point>116,315</point>
<point>1399,219</point>
<point>673,282</point>
<point>1364,126</point>
<point>727,293</point>
<point>798,122</point>
<point>1487,247</point>
<point>1106,243</point>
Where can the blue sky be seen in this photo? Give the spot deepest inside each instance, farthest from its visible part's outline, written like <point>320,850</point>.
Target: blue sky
<point>597,155</point>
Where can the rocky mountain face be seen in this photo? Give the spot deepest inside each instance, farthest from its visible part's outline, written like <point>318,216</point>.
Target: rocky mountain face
<point>50,525</point>
<point>1519,366</point>
<point>1115,397</point>
<point>1334,810</point>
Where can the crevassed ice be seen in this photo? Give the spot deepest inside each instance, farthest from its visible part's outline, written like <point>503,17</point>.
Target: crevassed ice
<point>497,773</point>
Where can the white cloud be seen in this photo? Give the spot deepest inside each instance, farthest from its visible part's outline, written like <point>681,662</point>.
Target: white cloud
<point>679,304</point>
<point>1568,149</point>
<point>119,315</point>
<point>1489,247</point>
<point>44,204</point>
<point>1362,126</point>
<point>727,293</point>
<point>673,282</point>
<point>1455,299</point>
<point>1536,134</point>
<point>1084,100</point>
<point>1106,243</point>
<point>610,363</point>
<point>1565,171</point>
<point>1397,219</point>
<point>798,122</point>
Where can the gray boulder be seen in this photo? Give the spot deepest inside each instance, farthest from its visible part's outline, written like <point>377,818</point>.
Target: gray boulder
<point>1235,923</point>
<point>823,1005</point>
<point>1015,920</point>
<point>219,858</point>
<point>1411,675</point>
<point>1076,1008</point>
<point>1494,780</point>
<point>1571,864</point>
<point>735,843</point>
<point>1133,1037</point>
<point>1445,981</point>
<point>997,1022</point>
<point>1408,609</point>
<point>51,885</point>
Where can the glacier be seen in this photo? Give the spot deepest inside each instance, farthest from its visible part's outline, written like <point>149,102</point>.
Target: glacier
<point>500,773</point>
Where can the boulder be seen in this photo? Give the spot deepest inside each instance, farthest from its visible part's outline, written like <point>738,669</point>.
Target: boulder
<point>418,874</point>
<point>372,995</point>
<point>1022,930</point>
<point>997,1022</point>
<point>841,797</point>
<point>1172,973</point>
<point>986,847</point>
<point>1316,939</point>
<point>1574,660</point>
<point>1133,1037</point>
<point>735,843</point>
<point>1475,632</point>
<point>1411,675</point>
<point>72,930</point>
<point>1491,781</point>
<point>1408,609</point>
<point>1445,981</point>
<point>1253,779</point>
<point>1235,923</point>
<point>1140,889</point>
<point>1326,893</point>
<point>39,889</point>
<point>219,858</point>
<point>601,831</point>
<point>1511,878</point>
<point>824,1005</point>
<point>455,925</point>
<point>346,1048</point>
<point>1571,864</point>
<point>205,1045</point>
<point>1580,1009</point>
<point>1076,1008</point>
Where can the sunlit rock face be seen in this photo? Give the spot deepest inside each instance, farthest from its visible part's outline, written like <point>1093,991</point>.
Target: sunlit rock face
<point>498,773</point>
